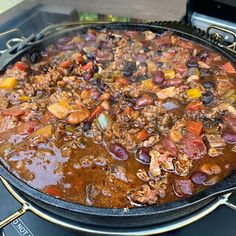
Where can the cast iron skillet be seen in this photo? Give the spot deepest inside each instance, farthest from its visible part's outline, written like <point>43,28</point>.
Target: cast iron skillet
<point>110,217</point>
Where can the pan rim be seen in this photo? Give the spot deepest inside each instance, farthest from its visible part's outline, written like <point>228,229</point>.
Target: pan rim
<point>227,185</point>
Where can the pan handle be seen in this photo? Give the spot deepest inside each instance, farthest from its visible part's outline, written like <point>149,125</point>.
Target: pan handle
<point>225,201</point>
<point>15,215</point>
<point>25,207</point>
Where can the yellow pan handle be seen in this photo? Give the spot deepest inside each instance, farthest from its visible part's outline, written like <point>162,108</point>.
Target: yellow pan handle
<point>14,215</point>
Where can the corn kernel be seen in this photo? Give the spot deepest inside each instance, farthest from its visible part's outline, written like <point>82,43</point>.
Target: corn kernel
<point>24,98</point>
<point>194,93</point>
<point>8,83</point>
<point>147,84</point>
<point>169,74</point>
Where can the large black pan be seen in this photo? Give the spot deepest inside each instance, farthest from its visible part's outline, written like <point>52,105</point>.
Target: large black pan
<point>108,217</point>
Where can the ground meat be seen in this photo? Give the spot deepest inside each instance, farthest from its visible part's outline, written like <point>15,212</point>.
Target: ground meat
<point>143,175</point>
<point>182,164</point>
<point>144,196</point>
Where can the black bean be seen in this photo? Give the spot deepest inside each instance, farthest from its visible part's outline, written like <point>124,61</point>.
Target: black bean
<point>95,68</point>
<point>207,97</point>
<point>192,62</point>
<point>218,120</point>
<point>159,52</point>
<point>90,56</point>
<point>204,72</point>
<point>145,49</point>
<point>128,73</point>
<point>203,55</point>
<point>142,155</point>
<point>45,68</point>
<point>87,126</point>
<point>35,57</point>
<point>208,85</point>
<point>159,64</point>
<point>129,68</point>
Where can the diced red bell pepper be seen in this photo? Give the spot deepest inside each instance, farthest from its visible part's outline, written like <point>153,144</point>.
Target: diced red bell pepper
<point>66,64</point>
<point>95,113</point>
<point>123,81</point>
<point>20,65</point>
<point>52,190</point>
<point>195,106</point>
<point>142,134</point>
<point>79,59</point>
<point>229,68</point>
<point>13,111</point>
<point>27,127</point>
<point>88,66</point>
<point>194,127</point>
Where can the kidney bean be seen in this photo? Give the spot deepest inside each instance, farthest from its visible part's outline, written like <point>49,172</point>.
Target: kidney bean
<point>213,180</point>
<point>169,145</point>
<point>144,100</point>
<point>66,47</point>
<point>230,137</point>
<point>159,77</point>
<point>118,152</point>
<point>199,177</point>
<point>172,82</point>
<point>142,155</point>
<point>183,187</point>
<point>210,168</point>
<point>64,40</point>
<point>230,122</point>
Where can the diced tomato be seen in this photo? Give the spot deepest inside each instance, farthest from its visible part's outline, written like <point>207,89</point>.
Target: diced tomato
<point>169,55</point>
<point>20,65</point>
<point>79,59</point>
<point>195,106</point>
<point>95,113</point>
<point>27,127</point>
<point>142,134</point>
<point>193,147</point>
<point>13,111</point>
<point>223,86</point>
<point>47,118</point>
<point>194,127</point>
<point>52,190</point>
<point>182,69</point>
<point>88,66</point>
<point>169,145</point>
<point>123,81</point>
<point>229,68</point>
<point>66,64</point>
